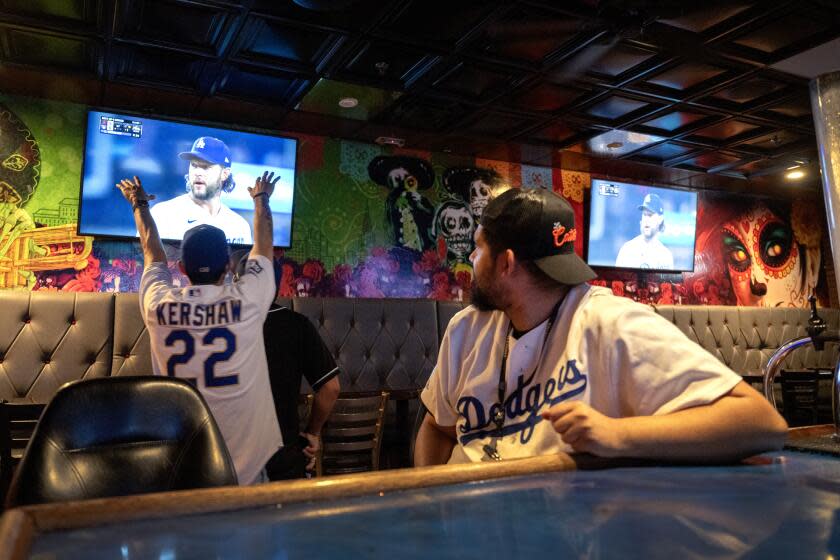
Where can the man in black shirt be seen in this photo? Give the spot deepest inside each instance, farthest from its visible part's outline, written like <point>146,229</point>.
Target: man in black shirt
<point>294,350</point>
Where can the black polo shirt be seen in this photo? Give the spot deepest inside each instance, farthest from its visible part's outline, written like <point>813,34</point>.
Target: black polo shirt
<point>294,350</point>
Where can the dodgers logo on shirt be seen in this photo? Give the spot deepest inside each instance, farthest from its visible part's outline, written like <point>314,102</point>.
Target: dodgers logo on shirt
<point>527,399</point>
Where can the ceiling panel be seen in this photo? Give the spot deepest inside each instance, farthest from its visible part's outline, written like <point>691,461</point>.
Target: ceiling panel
<point>701,20</point>
<point>710,160</point>
<point>665,151</point>
<point>620,59</point>
<point>749,90</point>
<point>177,23</point>
<point>473,81</point>
<point>616,107</point>
<point>782,32</point>
<point>675,120</point>
<point>686,85</point>
<point>725,130</point>
<point>271,40</point>
<point>386,62</point>
<point>544,97</point>
<point>685,76</point>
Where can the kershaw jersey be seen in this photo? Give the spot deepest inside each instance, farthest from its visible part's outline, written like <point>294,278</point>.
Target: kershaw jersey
<point>212,336</point>
<point>174,217</point>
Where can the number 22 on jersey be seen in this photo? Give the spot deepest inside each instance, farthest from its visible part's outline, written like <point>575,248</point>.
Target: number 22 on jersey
<point>210,378</point>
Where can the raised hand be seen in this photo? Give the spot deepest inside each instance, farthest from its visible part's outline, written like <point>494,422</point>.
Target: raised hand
<point>264,185</point>
<point>132,190</point>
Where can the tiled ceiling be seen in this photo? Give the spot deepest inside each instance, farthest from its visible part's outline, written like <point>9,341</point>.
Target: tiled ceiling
<point>686,86</point>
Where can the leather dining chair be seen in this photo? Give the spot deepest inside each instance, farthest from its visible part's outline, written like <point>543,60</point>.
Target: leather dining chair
<point>115,436</point>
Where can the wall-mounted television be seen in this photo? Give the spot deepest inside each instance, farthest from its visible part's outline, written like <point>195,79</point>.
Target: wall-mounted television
<point>641,227</point>
<point>198,174</point>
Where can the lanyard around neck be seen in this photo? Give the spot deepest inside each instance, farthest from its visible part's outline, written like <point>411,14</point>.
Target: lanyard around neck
<point>499,414</point>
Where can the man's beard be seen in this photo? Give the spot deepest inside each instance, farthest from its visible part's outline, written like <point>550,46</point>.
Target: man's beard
<point>210,191</point>
<point>481,299</point>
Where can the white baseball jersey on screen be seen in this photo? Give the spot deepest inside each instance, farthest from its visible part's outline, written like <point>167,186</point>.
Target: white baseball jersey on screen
<point>640,253</point>
<point>214,335</point>
<point>612,353</point>
<point>175,216</point>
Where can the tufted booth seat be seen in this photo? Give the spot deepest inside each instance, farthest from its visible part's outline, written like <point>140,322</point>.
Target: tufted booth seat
<point>48,339</point>
<point>744,338</point>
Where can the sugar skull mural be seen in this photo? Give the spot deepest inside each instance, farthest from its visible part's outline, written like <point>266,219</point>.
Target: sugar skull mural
<point>772,256</point>
<point>475,186</point>
<point>409,212</point>
<point>454,223</point>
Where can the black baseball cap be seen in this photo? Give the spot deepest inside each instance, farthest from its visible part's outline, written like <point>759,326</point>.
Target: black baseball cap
<point>538,225</point>
<point>204,252</point>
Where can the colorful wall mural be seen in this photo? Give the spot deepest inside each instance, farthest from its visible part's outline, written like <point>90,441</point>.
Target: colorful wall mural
<point>371,222</point>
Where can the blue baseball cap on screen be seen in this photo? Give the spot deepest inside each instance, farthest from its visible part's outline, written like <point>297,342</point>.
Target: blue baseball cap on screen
<point>204,252</point>
<point>209,149</point>
<point>652,203</point>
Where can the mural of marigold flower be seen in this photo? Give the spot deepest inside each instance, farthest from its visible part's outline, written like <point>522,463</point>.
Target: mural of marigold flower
<point>806,223</point>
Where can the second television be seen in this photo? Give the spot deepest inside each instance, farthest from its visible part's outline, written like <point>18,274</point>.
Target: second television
<point>641,227</point>
<point>198,174</point>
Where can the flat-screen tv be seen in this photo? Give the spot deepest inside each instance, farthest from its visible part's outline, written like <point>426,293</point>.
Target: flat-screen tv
<point>641,227</point>
<point>198,174</point>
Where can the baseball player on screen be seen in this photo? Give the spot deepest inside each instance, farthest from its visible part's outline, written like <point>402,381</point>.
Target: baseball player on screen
<point>207,177</point>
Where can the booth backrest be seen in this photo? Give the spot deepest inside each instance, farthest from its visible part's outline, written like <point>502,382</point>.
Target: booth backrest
<point>48,339</point>
<point>744,338</point>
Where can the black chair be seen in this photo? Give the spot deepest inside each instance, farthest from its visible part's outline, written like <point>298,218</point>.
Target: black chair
<point>115,436</point>
<point>17,422</point>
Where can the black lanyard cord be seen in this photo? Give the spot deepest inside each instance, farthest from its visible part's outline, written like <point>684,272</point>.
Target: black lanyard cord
<point>499,414</point>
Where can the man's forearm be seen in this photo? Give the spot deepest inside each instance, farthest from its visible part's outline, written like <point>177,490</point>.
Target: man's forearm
<point>434,444</point>
<point>735,426</point>
<point>149,238</point>
<point>263,228</point>
<point>322,406</point>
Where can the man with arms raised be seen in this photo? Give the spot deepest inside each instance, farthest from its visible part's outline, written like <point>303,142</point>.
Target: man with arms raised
<point>543,362</point>
<point>211,332</point>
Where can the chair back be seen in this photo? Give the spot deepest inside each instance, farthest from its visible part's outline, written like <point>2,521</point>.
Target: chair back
<point>115,436</point>
<point>352,437</point>
<point>17,422</point>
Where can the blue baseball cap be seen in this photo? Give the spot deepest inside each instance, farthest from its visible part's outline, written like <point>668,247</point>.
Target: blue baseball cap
<point>209,149</point>
<point>652,203</point>
<point>204,252</point>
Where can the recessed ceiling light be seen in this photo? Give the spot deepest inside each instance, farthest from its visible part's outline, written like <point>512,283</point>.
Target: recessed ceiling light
<point>795,174</point>
<point>615,145</point>
<point>348,102</point>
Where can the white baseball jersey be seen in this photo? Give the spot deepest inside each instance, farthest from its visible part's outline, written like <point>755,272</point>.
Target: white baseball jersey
<point>213,336</point>
<point>614,354</point>
<point>640,253</point>
<point>175,216</point>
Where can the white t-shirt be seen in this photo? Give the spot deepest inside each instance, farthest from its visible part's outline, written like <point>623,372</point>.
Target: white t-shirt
<point>213,335</point>
<point>616,355</point>
<point>175,216</point>
<point>640,253</point>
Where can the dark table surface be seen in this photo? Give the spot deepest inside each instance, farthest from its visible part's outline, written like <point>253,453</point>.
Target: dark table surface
<point>781,505</point>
